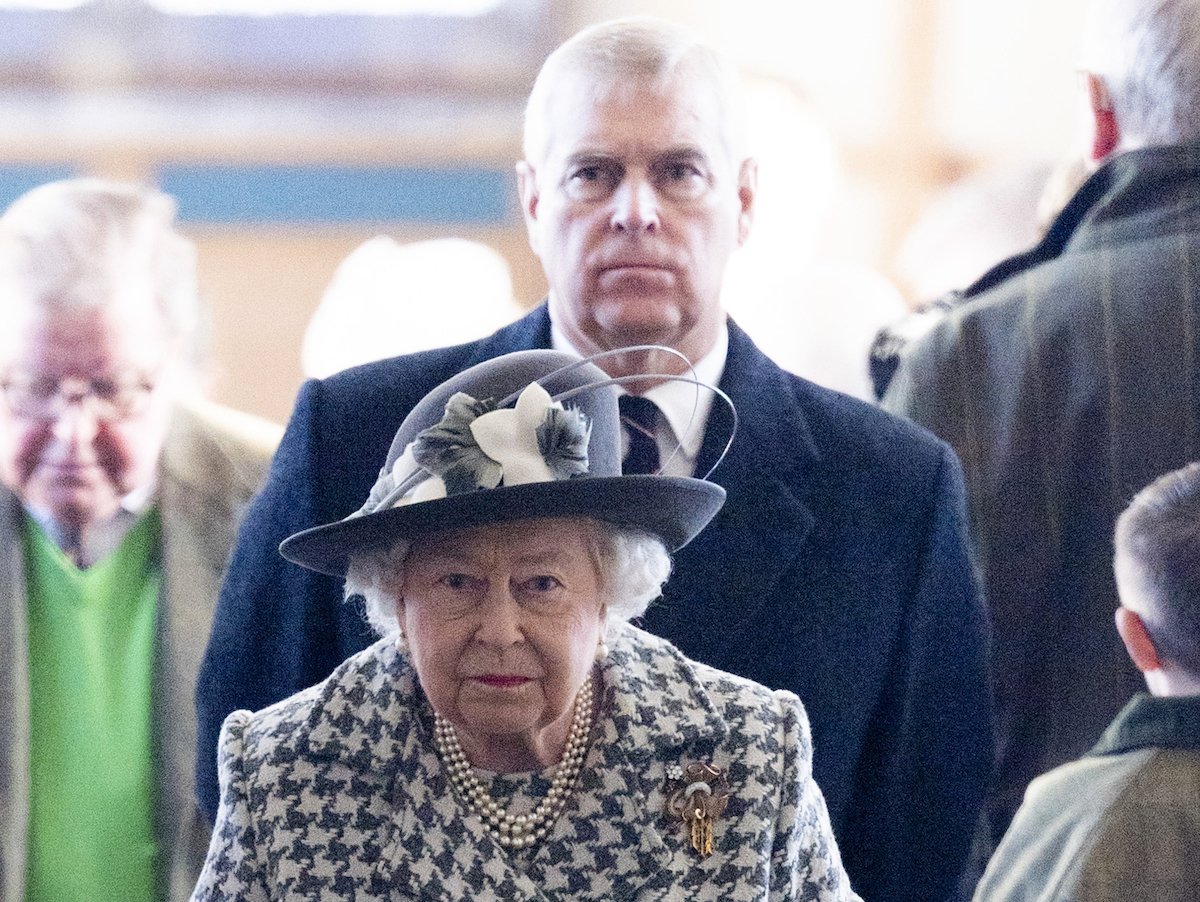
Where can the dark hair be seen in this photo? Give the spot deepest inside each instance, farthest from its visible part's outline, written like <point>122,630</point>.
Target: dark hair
<point>1159,534</point>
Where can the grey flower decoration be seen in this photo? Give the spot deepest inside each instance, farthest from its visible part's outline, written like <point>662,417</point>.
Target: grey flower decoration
<point>563,440</point>
<point>384,485</point>
<point>449,450</point>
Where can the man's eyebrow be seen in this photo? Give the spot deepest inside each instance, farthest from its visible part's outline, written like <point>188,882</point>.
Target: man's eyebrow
<point>689,151</point>
<point>590,157</point>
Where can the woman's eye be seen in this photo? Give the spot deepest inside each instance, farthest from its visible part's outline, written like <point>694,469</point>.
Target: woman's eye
<point>539,588</point>
<point>458,582</point>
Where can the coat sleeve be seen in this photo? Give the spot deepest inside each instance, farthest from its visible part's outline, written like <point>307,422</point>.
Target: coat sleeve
<point>234,869</point>
<point>278,627</point>
<point>805,862</point>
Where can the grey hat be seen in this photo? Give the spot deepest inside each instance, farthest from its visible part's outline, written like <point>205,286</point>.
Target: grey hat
<point>527,435</point>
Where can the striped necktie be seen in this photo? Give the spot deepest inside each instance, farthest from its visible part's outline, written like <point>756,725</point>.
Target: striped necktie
<point>639,416</point>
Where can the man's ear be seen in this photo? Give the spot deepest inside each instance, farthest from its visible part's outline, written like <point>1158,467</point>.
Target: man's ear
<point>527,189</point>
<point>1105,134</point>
<point>747,194</point>
<point>1137,640</point>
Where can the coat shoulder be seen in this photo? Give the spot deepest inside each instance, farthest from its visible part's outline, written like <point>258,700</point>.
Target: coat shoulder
<point>863,454</point>
<point>683,689</point>
<point>341,717</point>
<point>211,446</point>
<point>842,421</point>
<point>839,433</point>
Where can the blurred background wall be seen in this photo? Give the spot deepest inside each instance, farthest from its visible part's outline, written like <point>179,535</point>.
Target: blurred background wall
<point>904,146</point>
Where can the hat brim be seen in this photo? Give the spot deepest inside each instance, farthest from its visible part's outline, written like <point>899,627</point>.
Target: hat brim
<point>675,508</point>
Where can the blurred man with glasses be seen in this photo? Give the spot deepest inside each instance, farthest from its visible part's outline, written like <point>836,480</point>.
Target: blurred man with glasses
<point>120,500</point>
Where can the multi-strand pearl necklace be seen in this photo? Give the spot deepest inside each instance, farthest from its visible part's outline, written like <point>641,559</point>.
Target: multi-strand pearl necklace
<point>522,830</point>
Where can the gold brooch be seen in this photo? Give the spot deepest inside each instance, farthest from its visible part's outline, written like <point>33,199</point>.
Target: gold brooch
<point>697,796</point>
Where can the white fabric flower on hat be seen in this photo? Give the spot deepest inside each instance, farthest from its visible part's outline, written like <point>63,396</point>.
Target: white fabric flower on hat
<point>510,437</point>
<point>429,489</point>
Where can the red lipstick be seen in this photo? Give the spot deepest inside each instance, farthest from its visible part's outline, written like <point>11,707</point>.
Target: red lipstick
<point>503,681</point>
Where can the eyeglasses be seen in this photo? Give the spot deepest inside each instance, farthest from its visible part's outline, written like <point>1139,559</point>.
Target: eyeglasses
<point>47,397</point>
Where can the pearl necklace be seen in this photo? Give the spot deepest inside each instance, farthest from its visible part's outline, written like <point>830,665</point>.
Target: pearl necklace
<point>522,830</point>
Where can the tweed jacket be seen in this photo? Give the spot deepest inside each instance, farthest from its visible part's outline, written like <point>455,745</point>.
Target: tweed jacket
<point>838,570</point>
<point>1070,382</point>
<point>338,793</point>
<point>212,462</point>
<point>1121,824</point>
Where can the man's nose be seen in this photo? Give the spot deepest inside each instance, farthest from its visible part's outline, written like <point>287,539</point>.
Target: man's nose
<point>77,421</point>
<point>636,206</point>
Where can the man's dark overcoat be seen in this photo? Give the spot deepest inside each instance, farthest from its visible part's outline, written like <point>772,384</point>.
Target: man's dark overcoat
<point>1067,380</point>
<point>838,569</point>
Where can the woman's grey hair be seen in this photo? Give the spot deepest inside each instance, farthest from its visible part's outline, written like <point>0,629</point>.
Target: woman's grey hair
<point>633,566</point>
<point>1148,53</point>
<point>1158,543</point>
<point>76,243</point>
<point>639,48</point>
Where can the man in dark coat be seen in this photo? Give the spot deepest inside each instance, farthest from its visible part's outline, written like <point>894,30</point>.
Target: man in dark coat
<point>1067,380</point>
<point>839,567</point>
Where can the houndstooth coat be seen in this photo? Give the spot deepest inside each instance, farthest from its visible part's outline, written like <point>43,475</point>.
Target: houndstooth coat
<point>338,793</point>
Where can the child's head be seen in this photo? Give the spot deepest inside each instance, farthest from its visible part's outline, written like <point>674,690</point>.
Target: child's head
<point>1157,565</point>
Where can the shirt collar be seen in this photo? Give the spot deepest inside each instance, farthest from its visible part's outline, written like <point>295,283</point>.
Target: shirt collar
<point>138,501</point>
<point>103,538</point>
<point>1150,721</point>
<point>684,406</point>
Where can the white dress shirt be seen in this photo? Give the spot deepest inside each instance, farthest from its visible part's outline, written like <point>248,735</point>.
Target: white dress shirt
<point>683,408</point>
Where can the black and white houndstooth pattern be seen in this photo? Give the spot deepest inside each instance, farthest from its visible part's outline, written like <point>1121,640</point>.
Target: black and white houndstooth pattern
<point>337,793</point>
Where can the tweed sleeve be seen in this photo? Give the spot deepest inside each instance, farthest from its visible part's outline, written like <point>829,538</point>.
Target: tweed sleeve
<point>233,869</point>
<point>805,863</point>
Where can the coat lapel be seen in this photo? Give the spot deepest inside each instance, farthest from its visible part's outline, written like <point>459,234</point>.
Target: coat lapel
<point>197,498</point>
<point>185,600</point>
<point>765,522</point>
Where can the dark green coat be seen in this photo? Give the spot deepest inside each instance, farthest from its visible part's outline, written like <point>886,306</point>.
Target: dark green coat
<point>1067,384</point>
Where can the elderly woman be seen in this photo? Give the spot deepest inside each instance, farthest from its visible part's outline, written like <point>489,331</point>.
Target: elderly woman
<point>512,736</point>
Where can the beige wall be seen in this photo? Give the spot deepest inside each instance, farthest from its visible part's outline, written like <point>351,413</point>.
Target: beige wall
<point>263,285</point>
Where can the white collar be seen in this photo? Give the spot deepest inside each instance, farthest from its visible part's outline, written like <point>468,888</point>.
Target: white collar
<point>684,406</point>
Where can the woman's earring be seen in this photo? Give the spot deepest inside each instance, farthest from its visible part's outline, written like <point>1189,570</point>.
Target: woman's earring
<point>401,644</point>
<point>601,649</point>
